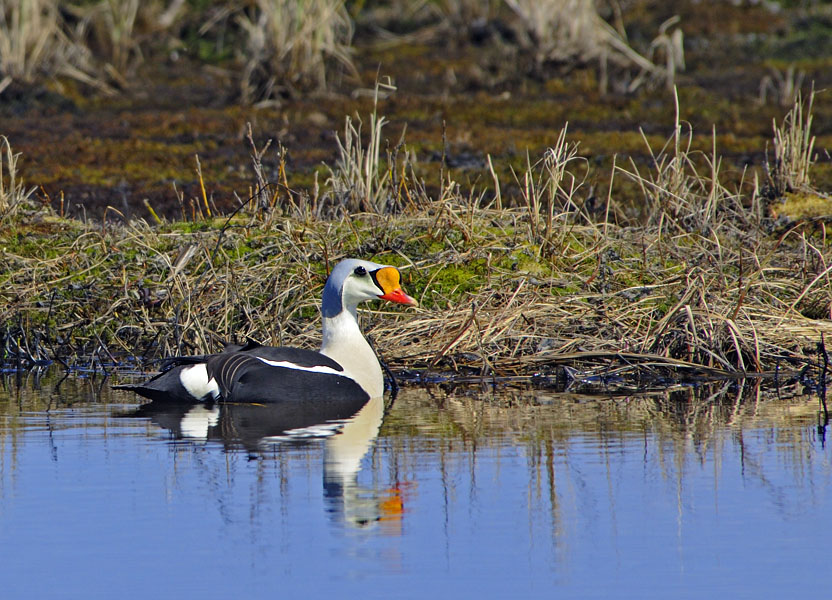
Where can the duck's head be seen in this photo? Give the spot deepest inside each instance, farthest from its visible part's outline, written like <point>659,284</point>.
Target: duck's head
<point>353,281</point>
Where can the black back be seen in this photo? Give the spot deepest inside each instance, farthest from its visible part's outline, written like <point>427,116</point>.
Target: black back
<point>243,377</point>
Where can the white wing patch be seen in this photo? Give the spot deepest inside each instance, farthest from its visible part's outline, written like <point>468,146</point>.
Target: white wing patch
<point>195,380</point>
<point>290,365</point>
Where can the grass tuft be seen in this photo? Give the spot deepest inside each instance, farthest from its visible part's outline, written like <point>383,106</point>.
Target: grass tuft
<point>793,150</point>
<point>289,45</point>
<point>13,194</point>
<point>362,181</point>
<point>573,32</point>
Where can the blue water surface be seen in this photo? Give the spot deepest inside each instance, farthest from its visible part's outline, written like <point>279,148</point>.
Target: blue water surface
<point>443,496</point>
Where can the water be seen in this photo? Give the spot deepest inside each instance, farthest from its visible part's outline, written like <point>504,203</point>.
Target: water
<point>523,494</point>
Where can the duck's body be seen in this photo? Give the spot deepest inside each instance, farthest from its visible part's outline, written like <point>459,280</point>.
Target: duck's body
<point>346,368</point>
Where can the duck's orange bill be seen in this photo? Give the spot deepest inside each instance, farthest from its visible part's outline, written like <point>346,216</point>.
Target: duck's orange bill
<point>389,280</point>
<point>399,296</point>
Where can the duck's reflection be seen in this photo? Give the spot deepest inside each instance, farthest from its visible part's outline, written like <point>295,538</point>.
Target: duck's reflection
<point>256,427</point>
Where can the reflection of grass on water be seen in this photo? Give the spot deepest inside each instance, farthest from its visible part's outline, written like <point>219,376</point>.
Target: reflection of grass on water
<point>465,433</point>
<point>678,438</point>
<point>39,399</point>
<point>483,415</point>
<point>42,390</point>
<point>679,429</point>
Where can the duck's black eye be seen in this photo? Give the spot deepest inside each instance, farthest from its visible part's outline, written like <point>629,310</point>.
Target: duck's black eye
<point>360,271</point>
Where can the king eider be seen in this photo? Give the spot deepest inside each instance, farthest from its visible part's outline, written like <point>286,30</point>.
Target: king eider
<point>346,368</point>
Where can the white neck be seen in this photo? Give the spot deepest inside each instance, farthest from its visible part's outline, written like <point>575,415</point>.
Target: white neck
<point>344,343</point>
<point>344,451</point>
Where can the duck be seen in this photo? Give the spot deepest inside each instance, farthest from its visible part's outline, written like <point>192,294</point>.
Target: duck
<point>344,372</point>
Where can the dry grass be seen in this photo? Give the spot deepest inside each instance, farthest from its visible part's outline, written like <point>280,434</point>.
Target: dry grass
<point>29,37</point>
<point>289,44</point>
<point>109,29</point>
<point>683,193</point>
<point>281,47</point>
<point>34,44</point>
<point>13,194</point>
<point>45,40</point>
<point>364,180</point>
<point>572,31</point>
<point>793,150</point>
<point>782,87</point>
<point>285,45</point>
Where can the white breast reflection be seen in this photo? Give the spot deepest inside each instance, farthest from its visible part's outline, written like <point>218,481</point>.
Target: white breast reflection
<point>198,420</point>
<point>347,501</point>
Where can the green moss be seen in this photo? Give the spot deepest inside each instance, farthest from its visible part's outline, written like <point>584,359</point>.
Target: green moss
<point>454,281</point>
<point>803,205</point>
